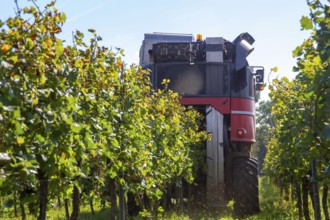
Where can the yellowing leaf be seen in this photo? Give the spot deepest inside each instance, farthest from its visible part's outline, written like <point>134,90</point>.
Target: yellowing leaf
<point>14,58</point>
<point>57,19</point>
<point>47,43</point>
<point>5,48</point>
<point>20,140</point>
<point>10,32</point>
<point>59,50</point>
<point>35,100</point>
<point>78,63</point>
<point>25,9</point>
<point>30,43</point>
<point>275,69</point>
<point>275,81</point>
<point>43,79</point>
<point>119,64</point>
<point>63,17</point>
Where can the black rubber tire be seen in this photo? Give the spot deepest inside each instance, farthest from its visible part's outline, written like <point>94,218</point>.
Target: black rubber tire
<point>245,187</point>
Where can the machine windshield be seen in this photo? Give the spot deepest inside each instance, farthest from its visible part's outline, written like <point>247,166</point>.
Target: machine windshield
<point>211,79</point>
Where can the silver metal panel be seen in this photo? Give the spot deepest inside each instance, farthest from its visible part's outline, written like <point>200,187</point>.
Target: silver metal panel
<point>214,55</point>
<point>215,158</point>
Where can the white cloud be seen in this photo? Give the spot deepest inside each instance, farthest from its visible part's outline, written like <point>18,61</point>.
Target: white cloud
<point>82,14</point>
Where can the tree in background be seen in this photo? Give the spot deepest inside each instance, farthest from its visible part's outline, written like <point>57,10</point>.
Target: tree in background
<point>264,130</point>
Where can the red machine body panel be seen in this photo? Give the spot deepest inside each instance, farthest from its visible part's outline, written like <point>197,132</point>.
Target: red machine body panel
<point>241,110</point>
<point>242,120</point>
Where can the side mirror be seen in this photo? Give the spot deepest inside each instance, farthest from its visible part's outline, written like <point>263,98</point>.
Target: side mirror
<point>258,72</point>
<point>260,76</point>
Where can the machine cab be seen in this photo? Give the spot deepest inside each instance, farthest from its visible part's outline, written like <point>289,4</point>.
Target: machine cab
<point>213,67</point>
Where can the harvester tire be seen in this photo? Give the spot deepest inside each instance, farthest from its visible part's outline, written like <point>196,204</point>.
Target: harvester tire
<point>245,187</point>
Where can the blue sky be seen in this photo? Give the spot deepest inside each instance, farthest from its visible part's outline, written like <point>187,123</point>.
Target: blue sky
<point>122,23</point>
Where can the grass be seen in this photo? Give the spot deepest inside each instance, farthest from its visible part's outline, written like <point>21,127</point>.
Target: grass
<point>59,214</point>
<point>272,206</point>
